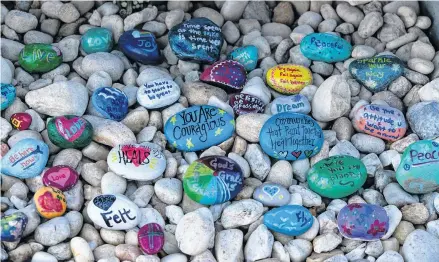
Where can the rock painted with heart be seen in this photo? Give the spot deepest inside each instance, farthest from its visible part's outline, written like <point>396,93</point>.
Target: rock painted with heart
<point>244,104</point>
<point>61,177</point>
<point>295,104</point>
<point>151,238</point>
<point>246,56</point>
<point>325,47</point>
<point>288,79</point>
<point>158,93</point>
<point>228,73</point>
<point>50,202</point>
<point>110,102</point>
<point>8,95</point>
<point>70,131</point>
<point>291,220</point>
<point>272,195</point>
<point>13,226</point>
<point>21,121</point>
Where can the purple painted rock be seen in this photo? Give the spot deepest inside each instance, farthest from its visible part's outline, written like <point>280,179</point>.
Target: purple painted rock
<point>363,222</point>
<point>244,103</point>
<point>13,226</point>
<point>21,121</point>
<point>61,177</point>
<point>151,238</point>
<point>228,73</point>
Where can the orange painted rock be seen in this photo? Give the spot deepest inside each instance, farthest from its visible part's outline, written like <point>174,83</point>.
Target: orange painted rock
<point>289,79</point>
<point>50,202</point>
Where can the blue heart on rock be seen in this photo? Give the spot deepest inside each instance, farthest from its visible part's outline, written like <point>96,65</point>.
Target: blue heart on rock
<point>104,202</point>
<point>271,190</point>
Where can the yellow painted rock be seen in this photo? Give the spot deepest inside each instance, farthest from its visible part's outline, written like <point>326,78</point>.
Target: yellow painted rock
<point>288,78</point>
<point>50,202</point>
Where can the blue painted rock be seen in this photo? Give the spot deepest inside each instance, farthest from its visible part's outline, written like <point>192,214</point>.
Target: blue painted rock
<point>198,40</point>
<point>272,195</point>
<point>25,159</point>
<point>228,73</point>
<point>40,58</point>
<point>21,121</point>
<point>140,46</point>
<point>291,220</point>
<point>8,95</point>
<point>97,40</point>
<point>244,104</point>
<point>381,121</point>
<point>110,102</point>
<point>151,238</point>
<point>13,226</point>
<point>325,47</point>
<point>363,222</point>
<point>158,93</point>
<point>295,104</point>
<point>199,127</point>
<point>213,180</point>
<point>291,136</point>
<point>246,56</point>
<point>70,131</point>
<point>418,171</point>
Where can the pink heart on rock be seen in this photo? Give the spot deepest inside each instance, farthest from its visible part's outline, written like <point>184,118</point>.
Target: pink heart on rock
<point>61,177</point>
<point>71,128</point>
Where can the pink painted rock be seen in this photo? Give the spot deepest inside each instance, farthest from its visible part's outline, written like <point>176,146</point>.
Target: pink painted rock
<point>228,73</point>
<point>21,121</point>
<point>61,177</point>
<point>151,238</point>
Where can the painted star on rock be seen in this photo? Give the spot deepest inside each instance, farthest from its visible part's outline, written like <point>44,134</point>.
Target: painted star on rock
<point>189,144</point>
<point>173,120</point>
<point>218,131</point>
<point>221,112</point>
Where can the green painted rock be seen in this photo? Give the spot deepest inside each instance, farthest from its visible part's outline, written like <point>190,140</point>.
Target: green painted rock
<point>70,131</point>
<point>337,176</point>
<point>97,40</point>
<point>40,58</point>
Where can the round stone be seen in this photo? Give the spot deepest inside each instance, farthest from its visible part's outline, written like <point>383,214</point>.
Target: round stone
<point>8,95</point>
<point>288,79</point>
<point>158,93</point>
<point>325,47</point>
<point>70,131</point>
<point>272,195</point>
<point>97,40</point>
<point>40,58</point>
<point>21,121</point>
<point>228,73</point>
<point>110,102</point>
<point>291,220</point>
<point>151,238</point>
<point>50,202</point>
<point>61,177</point>
<point>244,104</point>
<point>13,226</point>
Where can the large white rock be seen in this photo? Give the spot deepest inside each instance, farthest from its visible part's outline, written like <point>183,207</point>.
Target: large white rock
<point>420,246</point>
<point>81,250</point>
<point>299,249</point>
<point>241,213</point>
<point>228,245</point>
<point>158,93</point>
<point>101,61</point>
<point>259,245</point>
<point>109,132</point>
<point>430,91</point>
<point>53,231</point>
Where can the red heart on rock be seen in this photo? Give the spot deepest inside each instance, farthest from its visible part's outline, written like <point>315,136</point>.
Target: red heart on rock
<point>61,177</point>
<point>71,128</point>
<point>50,204</point>
<point>137,154</point>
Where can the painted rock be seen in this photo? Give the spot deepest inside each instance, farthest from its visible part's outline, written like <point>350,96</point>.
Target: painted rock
<point>50,202</point>
<point>140,162</point>
<point>363,222</point>
<point>140,46</point>
<point>381,121</point>
<point>25,159</point>
<point>376,73</point>
<point>21,121</point>
<point>246,56</point>
<point>198,40</point>
<point>337,176</point>
<point>113,211</point>
<point>244,103</point>
<point>291,220</point>
<point>272,195</point>
<point>151,238</point>
<point>417,172</point>
<point>158,93</point>
<point>110,102</point>
<point>291,136</point>
<point>8,95</point>
<point>61,177</point>
<point>97,40</point>
<point>228,73</point>
<point>213,180</point>
<point>289,79</point>
<point>295,104</point>
<point>70,131</point>
<point>199,127</point>
<point>40,58</point>
<point>13,226</point>
<point>325,47</point>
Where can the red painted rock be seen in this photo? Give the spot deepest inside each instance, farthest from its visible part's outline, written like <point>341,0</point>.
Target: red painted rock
<point>151,238</point>
<point>61,177</point>
<point>21,121</point>
<point>244,103</point>
<point>228,73</point>
<point>50,202</point>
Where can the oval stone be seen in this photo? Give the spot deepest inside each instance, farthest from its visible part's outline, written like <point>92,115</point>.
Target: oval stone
<point>272,195</point>
<point>382,121</point>
<point>140,46</point>
<point>244,104</point>
<point>8,95</point>
<point>228,73</point>
<point>295,104</point>
<point>70,131</point>
<point>158,93</point>
<point>13,226</point>
<point>418,171</point>
<point>97,40</point>
<point>337,176</point>
<point>365,222</point>
<point>325,47</point>
<point>151,238</point>
<point>61,177</point>
<point>199,127</point>
<point>291,220</point>
<point>140,162</point>
<point>25,159</point>
<point>213,180</point>
<point>289,79</point>
<point>21,121</point>
<point>246,56</point>
<point>113,211</point>
<point>110,102</point>
<point>291,136</point>
<point>50,202</point>
<point>40,58</point>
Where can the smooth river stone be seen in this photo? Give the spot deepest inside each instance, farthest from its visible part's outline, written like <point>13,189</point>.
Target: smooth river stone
<point>113,211</point>
<point>272,195</point>
<point>21,121</point>
<point>13,226</point>
<point>295,104</point>
<point>364,222</point>
<point>110,102</point>
<point>291,220</point>
<point>40,58</point>
<point>385,122</point>
<point>288,79</point>
<point>97,40</point>
<point>199,127</point>
<point>61,177</point>
<point>325,47</point>
<point>213,180</point>
<point>25,159</point>
<point>418,171</point>
<point>244,104</point>
<point>151,238</point>
<point>246,56</point>
<point>228,73</point>
<point>337,176</point>
<point>70,131</point>
<point>198,40</point>
<point>141,162</point>
<point>50,202</point>
<point>140,46</point>
<point>8,95</point>
<point>158,93</point>
<point>291,136</point>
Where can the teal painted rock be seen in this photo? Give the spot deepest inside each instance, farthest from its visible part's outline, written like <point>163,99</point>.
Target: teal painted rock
<point>246,56</point>
<point>70,131</point>
<point>418,172</point>
<point>97,40</point>
<point>325,47</point>
<point>8,95</point>
<point>291,220</point>
<point>40,58</point>
<point>13,226</point>
<point>337,176</point>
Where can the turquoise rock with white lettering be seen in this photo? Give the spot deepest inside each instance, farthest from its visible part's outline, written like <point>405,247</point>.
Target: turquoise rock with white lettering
<point>8,95</point>
<point>325,47</point>
<point>295,104</point>
<point>246,56</point>
<point>291,220</point>
<point>97,40</point>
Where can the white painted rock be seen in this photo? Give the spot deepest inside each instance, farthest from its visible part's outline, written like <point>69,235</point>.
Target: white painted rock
<point>158,93</point>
